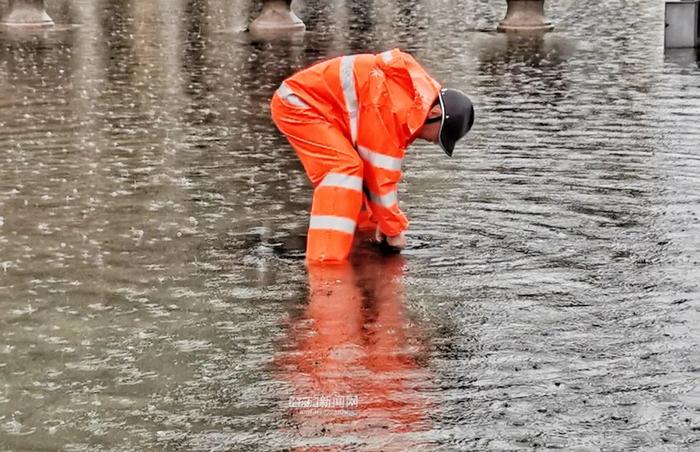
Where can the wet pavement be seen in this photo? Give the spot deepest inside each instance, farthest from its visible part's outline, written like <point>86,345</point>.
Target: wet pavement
<point>153,293</point>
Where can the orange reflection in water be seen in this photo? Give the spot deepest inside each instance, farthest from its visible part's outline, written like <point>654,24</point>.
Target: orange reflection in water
<point>354,369</point>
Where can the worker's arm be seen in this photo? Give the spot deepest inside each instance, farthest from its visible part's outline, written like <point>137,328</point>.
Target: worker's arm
<point>382,172</point>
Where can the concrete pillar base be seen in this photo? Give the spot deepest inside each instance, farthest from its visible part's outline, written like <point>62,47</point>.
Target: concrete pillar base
<point>276,15</point>
<point>525,15</point>
<point>30,13</point>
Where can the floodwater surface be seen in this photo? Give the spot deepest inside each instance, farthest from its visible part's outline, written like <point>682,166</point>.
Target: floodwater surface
<point>153,292</point>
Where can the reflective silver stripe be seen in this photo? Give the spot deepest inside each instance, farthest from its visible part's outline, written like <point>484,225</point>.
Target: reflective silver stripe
<point>347,80</point>
<point>341,224</point>
<point>342,180</point>
<point>380,160</point>
<point>387,200</point>
<point>289,96</point>
<point>387,56</point>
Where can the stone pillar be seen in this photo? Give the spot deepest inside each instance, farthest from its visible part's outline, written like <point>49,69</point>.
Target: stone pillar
<point>27,13</point>
<point>276,16</point>
<point>525,15</point>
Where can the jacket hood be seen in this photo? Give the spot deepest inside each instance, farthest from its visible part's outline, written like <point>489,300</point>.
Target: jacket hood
<point>403,68</point>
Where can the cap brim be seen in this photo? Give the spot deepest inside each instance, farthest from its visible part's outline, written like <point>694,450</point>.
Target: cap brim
<point>446,145</point>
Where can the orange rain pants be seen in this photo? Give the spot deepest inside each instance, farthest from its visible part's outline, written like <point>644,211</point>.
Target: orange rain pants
<point>336,173</point>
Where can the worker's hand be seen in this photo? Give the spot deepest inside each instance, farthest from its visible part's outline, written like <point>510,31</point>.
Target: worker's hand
<point>379,235</point>
<point>397,241</point>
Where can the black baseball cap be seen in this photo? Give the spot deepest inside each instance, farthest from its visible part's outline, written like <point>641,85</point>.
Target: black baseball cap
<point>457,118</point>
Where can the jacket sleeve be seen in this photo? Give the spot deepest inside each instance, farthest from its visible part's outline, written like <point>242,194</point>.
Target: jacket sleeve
<point>382,173</point>
<point>395,95</point>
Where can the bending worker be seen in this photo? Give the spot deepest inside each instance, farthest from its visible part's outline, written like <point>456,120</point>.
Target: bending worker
<point>350,120</point>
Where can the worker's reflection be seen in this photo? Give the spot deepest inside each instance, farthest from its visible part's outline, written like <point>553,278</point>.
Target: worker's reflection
<point>354,368</point>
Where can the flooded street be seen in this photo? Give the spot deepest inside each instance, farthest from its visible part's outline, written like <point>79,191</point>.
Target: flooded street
<point>153,291</point>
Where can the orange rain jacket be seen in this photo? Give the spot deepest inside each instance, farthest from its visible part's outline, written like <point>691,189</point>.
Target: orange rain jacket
<point>379,102</point>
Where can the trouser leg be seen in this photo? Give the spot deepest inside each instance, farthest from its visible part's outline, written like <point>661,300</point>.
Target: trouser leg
<point>335,170</point>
